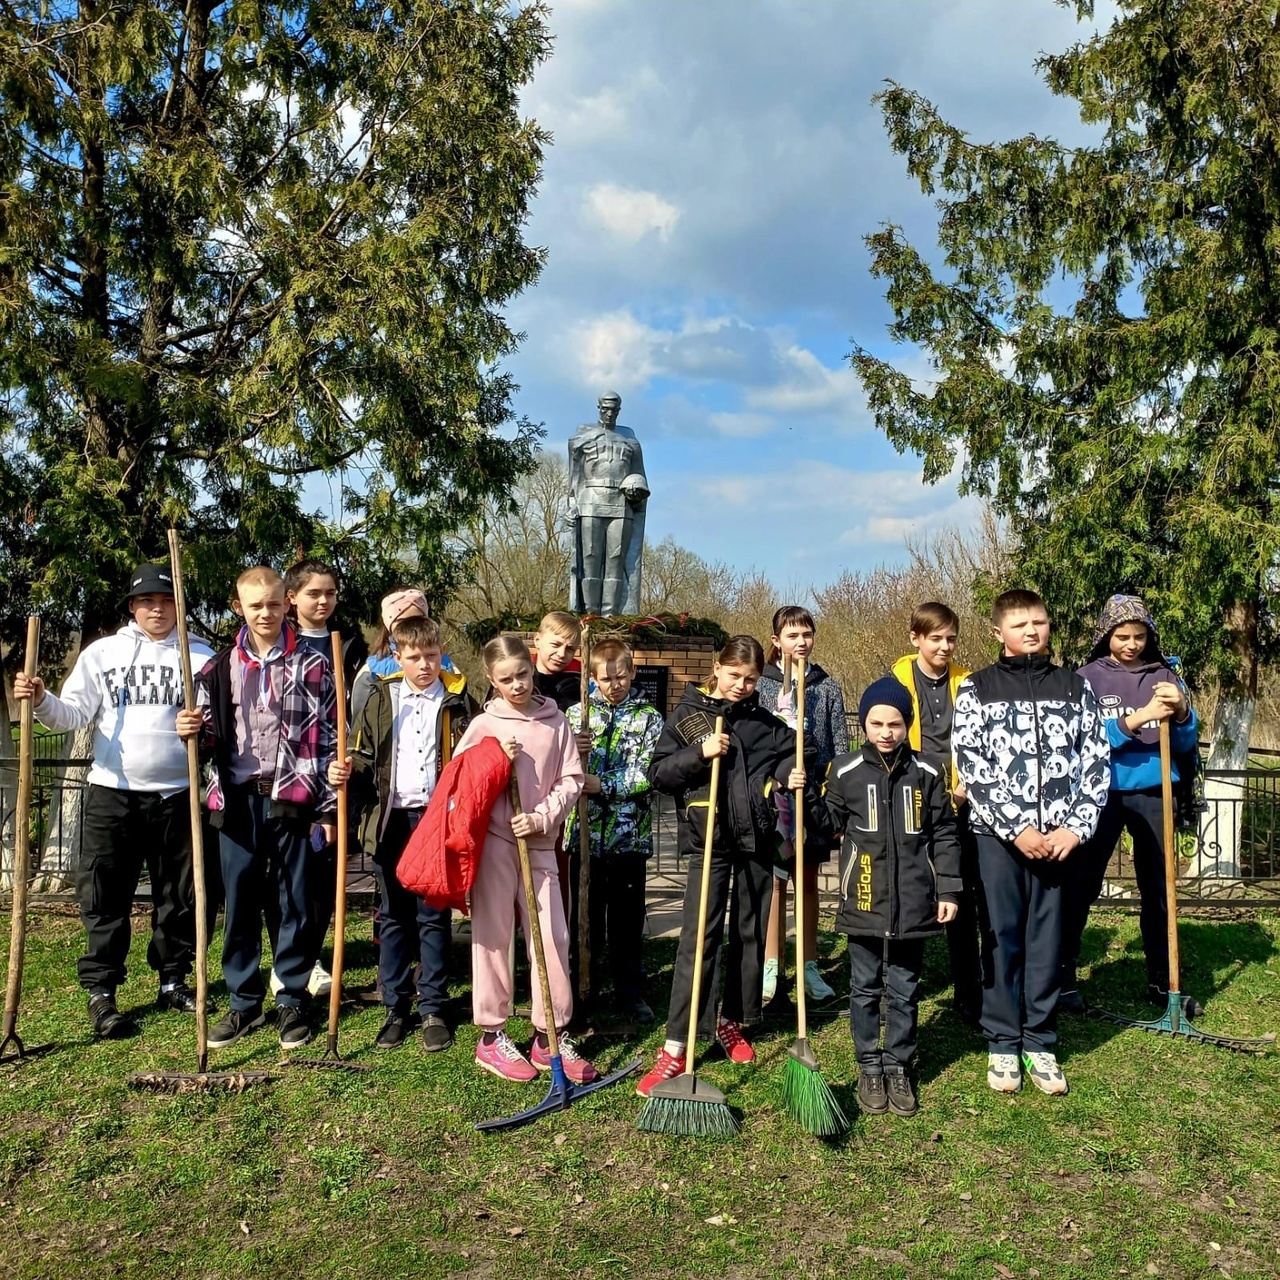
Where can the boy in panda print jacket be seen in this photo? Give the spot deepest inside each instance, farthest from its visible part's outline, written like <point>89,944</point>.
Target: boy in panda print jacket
<point>1031,750</point>
<point>899,882</point>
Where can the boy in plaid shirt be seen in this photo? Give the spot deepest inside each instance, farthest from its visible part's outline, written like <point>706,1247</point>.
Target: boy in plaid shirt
<point>270,729</point>
<point>622,732</point>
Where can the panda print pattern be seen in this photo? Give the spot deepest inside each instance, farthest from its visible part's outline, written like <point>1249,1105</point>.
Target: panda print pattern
<point>1031,748</point>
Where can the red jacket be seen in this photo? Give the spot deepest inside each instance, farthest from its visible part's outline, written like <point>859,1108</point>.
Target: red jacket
<point>443,854</point>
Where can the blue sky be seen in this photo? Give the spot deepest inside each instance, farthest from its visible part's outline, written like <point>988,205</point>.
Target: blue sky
<point>715,166</point>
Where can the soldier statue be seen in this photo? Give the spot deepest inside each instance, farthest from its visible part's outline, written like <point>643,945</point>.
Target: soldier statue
<point>607,495</point>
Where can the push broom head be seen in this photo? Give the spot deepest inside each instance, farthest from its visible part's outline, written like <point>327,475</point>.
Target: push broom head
<point>687,1107</point>
<point>808,1097</point>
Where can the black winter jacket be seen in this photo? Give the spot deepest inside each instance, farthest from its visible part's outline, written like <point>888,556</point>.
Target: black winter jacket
<point>900,853</point>
<point>760,758</point>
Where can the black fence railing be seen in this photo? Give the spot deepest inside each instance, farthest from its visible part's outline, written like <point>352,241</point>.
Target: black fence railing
<point>1232,856</point>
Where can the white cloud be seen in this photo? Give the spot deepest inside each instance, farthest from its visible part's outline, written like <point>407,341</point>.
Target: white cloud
<point>630,215</point>
<point>823,504</point>
<point>613,350</point>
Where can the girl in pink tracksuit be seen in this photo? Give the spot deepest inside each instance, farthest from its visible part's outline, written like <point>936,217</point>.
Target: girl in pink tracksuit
<point>545,761</point>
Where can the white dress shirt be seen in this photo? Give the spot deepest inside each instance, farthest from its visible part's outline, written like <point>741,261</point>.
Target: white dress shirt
<point>413,736</point>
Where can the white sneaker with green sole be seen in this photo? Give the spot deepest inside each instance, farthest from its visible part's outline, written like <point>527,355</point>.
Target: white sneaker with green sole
<point>1045,1073</point>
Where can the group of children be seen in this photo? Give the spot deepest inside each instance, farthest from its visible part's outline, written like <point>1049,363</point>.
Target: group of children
<point>988,804</point>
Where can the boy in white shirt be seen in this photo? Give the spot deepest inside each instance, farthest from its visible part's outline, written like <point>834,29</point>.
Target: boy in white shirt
<point>402,739</point>
<point>136,806</point>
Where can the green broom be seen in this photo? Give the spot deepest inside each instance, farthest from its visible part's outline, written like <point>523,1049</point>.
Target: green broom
<point>687,1107</point>
<point>807,1095</point>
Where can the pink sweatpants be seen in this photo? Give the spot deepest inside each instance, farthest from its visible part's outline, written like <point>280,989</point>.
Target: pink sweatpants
<point>496,896</point>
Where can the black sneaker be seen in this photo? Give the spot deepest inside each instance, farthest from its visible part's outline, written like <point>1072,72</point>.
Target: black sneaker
<point>902,1097</point>
<point>638,1011</point>
<point>435,1033</point>
<point>293,1027</point>
<point>1070,1001</point>
<point>180,998</point>
<point>108,1022</point>
<point>394,1032</point>
<point>871,1093</point>
<point>1159,996</point>
<point>237,1023</point>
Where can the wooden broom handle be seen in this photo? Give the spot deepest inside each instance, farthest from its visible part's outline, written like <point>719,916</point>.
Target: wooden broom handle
<point>535,925</point>
<point>1170,854</point>
<point>193,802</point>
<point>22,835</point>
<point>704,894</point>
<point>340,896</point>
<point>584,839</point>
<point>802,1016</point>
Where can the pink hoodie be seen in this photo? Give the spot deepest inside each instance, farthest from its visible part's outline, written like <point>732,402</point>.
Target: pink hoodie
<point>548,767</point>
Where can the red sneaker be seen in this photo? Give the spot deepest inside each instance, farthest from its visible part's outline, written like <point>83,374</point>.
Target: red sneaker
<point>667,1067</point>
<point>729,1034</point>
<point>502,1058</point>
<point>576,1067</point>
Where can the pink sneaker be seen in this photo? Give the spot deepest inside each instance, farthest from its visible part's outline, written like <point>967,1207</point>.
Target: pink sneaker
<point>736,1048</point>
<point>576,1067</point>
<point>502,1058</point>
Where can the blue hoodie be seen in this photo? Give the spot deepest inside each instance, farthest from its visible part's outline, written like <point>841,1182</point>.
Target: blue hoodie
<point>1135,758</point>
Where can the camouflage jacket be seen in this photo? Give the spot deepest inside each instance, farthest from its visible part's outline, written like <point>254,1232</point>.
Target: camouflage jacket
<point>622,742</point>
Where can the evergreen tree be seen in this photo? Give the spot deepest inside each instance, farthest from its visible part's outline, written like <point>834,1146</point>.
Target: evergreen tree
<point>252,262</point>
<point>1105,331</point>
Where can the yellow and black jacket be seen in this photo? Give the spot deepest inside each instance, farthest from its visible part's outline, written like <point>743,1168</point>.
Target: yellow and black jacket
<point>762,752</point>
<point>900,854</point>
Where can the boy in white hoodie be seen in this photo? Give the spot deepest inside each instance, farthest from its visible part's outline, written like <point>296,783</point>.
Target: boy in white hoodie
<point>129,687</point>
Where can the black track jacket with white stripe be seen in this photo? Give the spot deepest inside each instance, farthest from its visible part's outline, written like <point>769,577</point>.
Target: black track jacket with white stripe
<point>900,853</point>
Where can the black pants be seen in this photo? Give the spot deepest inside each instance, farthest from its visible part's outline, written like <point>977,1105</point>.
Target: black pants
<point>414,935</point>
<point>617,910</point>
<point>122,831</point>
<point>1024,922</point>
<point>322,896</point>
<point>265,857</point>
<point>964,932</point>
<point>877,965</point>
<point>750,878</point>
<point>1141,813</point>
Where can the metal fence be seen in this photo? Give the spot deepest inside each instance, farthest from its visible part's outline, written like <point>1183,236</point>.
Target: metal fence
<point>1231,858</point>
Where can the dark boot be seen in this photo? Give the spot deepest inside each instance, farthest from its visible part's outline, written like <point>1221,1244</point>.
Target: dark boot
<point>108,1022</point>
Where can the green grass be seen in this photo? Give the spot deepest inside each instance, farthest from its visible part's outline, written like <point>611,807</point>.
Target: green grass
<point>1164,1159</point>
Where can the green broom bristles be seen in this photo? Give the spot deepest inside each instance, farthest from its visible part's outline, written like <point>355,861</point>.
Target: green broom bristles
<point>683,1118</point>
<point>810,1102</point>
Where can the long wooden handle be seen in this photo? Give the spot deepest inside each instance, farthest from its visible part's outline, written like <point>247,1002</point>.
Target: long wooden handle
<point>1170,853</point>
<point>802,1016</point>
<point>22,835</point>
<point>193,801</point>
<point>584,841</point>
<point>535,925</point>
<point>704,895</point>
<point>340,895</point>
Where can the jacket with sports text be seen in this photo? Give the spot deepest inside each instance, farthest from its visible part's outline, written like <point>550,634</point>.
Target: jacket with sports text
<point>900,854</point>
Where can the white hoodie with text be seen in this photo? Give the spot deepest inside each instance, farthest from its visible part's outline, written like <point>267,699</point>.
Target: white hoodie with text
<point>130,688</point>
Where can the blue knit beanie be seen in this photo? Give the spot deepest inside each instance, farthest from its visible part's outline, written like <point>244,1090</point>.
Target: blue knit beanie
<point>886,692</point>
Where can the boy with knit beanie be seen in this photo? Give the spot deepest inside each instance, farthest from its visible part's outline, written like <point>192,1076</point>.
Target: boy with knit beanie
<point>899,882</point>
